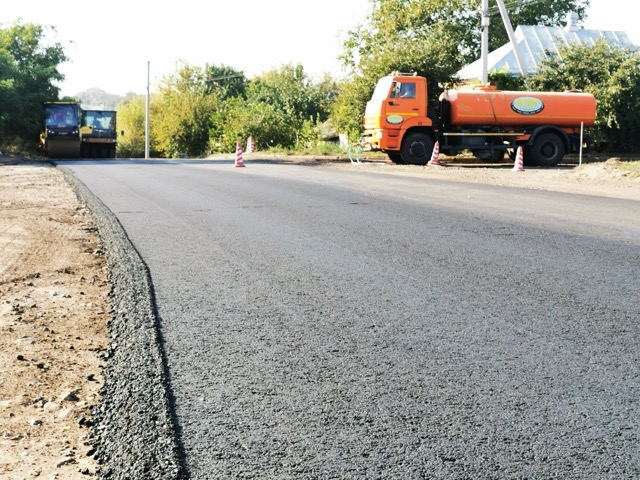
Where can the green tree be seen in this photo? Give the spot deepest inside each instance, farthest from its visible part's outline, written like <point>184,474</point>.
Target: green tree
<point>348,108</point>
<point>429,38</point>
<point>239,119</point>
<point>9,97</point>
<point>433,38</point>
<point>280,108</point>
<point>224,82</point>
<point>612,75</point>
<point>28,73</point>
<point>132,121</point>
<point>182,121</point>
<point>287,90</point>
<point>505,80</point>
<point>228,86</point>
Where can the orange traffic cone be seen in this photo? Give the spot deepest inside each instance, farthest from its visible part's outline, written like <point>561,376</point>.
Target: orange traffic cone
<point>518,165</point>
<point>251,146</point>
<point>435,156</point>
<point>239,162</point>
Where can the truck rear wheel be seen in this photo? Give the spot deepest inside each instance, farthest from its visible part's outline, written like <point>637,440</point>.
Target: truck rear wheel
<point>547,150</point>
<point>417,149</point>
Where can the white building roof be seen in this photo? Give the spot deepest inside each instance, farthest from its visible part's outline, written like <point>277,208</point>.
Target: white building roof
<point>534,42</point>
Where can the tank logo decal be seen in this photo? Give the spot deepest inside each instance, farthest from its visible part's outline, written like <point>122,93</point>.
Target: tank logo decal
<point>527,105</point>
<point>394,119</point>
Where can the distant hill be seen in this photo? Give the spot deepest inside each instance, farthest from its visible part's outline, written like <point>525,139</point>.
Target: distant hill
<point>96,98</point>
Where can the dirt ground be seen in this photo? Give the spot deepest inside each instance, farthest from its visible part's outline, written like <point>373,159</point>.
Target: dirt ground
<point>54,307</point>
<point>600,175</point>
<point>54,302</point>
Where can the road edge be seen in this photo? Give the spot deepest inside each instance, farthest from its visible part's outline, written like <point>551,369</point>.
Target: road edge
<point>134,431</point>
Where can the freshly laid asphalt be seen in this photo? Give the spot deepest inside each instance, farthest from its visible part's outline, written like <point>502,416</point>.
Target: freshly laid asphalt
<point>318,323</point>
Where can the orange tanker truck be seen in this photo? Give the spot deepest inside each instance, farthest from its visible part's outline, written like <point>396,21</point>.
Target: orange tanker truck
<point>486,121</point>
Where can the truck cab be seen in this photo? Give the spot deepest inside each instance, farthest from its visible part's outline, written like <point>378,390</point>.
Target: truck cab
<point>399,105</point>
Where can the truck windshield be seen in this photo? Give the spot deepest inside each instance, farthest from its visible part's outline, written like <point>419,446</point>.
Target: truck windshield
<point>99,119</point>
<point>61,115</point>
<point>406,90</point>
<point>382,88</point>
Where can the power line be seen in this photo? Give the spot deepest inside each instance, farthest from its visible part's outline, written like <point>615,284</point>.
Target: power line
<point>495,10</point>
<point>226,77</point>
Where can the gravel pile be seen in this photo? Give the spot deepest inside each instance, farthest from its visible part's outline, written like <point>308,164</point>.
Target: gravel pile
<point>133,429</point>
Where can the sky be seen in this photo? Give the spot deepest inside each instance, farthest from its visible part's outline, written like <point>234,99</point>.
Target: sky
<point>128,44</point>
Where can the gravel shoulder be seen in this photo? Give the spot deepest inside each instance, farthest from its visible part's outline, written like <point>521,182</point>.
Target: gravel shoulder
<point>58,318</point>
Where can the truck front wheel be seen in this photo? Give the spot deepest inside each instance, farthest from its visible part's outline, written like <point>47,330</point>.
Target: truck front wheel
<point>547,150</point>
<point>417,149</point>
<point>395,157</point>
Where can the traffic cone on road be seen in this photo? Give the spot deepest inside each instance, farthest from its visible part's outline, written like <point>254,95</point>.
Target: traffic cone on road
<point>239,162</point>
<point>251,146</point>
<point>435,156</point>
<point>518,165</point>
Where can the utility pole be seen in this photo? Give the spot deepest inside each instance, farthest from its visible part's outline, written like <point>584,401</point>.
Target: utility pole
<point>512,37</point>
<point>484,25</point>
<point>484,51</point>
<point>146,117</point>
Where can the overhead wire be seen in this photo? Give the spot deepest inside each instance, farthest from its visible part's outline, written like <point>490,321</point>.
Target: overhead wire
<point>495,10</point>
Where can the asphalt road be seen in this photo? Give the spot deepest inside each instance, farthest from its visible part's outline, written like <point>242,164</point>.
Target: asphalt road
<point>321,323</point>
